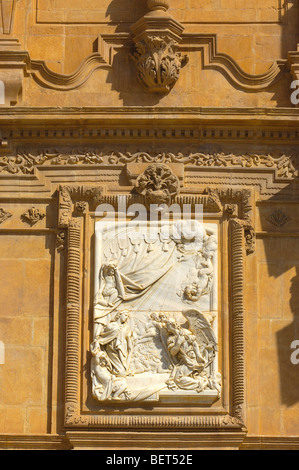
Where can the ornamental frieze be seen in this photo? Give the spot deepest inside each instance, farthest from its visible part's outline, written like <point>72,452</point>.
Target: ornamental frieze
<point>286,167</point>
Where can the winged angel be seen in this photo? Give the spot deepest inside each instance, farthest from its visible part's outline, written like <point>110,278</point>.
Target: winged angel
<point>191,352</point>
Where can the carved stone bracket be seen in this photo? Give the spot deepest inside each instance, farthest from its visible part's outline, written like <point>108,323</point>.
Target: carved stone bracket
<point>12,69</point>
<point>157,37</point>
<point>4,215</point>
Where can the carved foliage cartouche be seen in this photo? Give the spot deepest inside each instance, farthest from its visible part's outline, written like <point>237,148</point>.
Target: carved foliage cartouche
<point>158,63</point>
<point>157,36</point>
<point>158,184</point>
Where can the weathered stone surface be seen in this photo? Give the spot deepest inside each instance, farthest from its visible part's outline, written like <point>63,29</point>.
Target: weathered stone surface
<point>78,129</point>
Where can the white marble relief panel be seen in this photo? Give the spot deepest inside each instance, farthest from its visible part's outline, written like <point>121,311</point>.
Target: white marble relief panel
<point>155,313</point>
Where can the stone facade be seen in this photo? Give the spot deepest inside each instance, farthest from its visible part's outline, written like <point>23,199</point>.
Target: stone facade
<point>96,100</point>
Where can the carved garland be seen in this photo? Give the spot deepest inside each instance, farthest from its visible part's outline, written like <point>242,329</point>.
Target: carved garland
<point>286,167</point>
<point>68,198</point>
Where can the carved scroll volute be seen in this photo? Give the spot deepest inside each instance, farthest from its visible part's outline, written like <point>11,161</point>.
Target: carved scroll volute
<point>157,37</point>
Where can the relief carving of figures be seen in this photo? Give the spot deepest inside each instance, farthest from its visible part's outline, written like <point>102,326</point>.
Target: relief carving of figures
<point>142,348</point>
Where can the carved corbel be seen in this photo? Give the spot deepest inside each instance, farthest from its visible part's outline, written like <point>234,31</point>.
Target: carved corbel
<point>13,64</point>
<point>157,37</point>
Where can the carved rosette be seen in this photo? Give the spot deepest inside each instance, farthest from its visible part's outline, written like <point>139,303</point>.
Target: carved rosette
<point>158,63</point>
<point>158,184</point>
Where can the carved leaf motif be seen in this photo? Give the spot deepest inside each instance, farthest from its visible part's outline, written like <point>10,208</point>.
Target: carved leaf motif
<point>278,219</point>
<point>158,63</point>
<point>158,184</point>
<point>33,215</point>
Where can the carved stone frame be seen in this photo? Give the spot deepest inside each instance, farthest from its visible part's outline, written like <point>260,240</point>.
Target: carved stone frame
<point>76,203</point>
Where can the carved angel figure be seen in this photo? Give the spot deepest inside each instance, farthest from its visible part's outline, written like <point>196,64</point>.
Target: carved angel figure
<point>188,373</point>
<point>204,334</point>
<point>111,286</point>
<point>191,351</point>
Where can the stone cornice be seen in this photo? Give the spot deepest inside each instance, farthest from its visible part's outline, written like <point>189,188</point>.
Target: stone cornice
<point>97,112</point>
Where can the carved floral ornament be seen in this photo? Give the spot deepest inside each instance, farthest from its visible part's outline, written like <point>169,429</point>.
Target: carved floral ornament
<point>279,219</point>
<point>158,63</point>
<point>33,215</point>
<point>286,167</point>
<point>158,184</point>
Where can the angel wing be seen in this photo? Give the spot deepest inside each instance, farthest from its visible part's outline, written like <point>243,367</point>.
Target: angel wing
<point>201,328</point>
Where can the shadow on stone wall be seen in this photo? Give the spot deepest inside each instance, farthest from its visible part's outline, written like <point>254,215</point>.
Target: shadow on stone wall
<point>280,266</point>
<point>289,373</point>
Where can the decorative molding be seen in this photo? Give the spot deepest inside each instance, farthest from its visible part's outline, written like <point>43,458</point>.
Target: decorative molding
<point>285,167</point>
<point>238,350</point>
<point>4,215</point>
<point>12,58</point>
<point>34,442</point>
<point>158,184</point>
<point>33,215</point>
<point>214,60</point>
<point>270,443</point>
<point>171,440</point>
<point>159,58</point>
<point>81,196</point>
